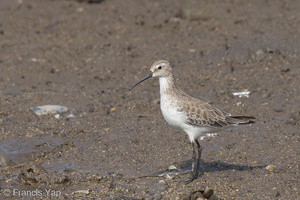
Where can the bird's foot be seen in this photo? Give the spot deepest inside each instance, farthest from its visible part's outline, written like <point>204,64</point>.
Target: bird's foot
<point>194,176</point>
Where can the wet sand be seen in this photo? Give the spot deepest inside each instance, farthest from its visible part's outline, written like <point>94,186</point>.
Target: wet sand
<point>86,54</point>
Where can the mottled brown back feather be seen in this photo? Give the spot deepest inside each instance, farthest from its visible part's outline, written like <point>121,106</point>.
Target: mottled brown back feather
<point>200,113</point>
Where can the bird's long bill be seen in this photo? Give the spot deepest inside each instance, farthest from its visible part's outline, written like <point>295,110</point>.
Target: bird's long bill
<point>144,78</point>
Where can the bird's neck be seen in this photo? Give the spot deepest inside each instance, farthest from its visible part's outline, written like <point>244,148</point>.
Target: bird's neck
<point>166,84</point>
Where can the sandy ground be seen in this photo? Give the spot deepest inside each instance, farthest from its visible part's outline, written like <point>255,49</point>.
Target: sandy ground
<point>86,54</point>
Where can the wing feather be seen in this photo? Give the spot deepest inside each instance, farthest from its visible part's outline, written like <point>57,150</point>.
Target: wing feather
<point>200,113</point>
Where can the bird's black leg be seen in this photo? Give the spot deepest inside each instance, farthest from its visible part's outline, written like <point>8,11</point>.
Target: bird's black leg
<point>197,171</point>
<point>193,157</point>
<point>193,164</point>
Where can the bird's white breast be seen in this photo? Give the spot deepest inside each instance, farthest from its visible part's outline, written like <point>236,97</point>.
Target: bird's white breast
<point>171,112</point>
<point>178,119</point>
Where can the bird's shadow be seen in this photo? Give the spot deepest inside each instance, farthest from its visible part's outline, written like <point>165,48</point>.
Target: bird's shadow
<point>219,166</point>
<point>186,166</point>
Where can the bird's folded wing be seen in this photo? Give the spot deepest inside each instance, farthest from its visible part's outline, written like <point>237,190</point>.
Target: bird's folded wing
<point>203,114</point>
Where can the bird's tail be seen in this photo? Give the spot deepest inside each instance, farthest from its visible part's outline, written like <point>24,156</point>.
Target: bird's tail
<point>240,120</point>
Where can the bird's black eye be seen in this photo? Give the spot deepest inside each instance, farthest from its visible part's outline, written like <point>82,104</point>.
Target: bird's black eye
<point>159,67</point>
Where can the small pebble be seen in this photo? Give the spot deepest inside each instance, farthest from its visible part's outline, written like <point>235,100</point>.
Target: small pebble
<point>172,167</point>
<point>291,122</point>
<point>70,116</point>
<point>113,109</point>
<point>106,129</point>
<point>244,93</point>
<point>278,109</point>
<point>49,109</point>
<point>82,191</point>
<point>270,167</point>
